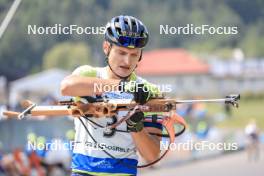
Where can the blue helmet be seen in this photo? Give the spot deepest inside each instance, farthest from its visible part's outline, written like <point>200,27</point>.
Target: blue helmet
<point>126,31</point>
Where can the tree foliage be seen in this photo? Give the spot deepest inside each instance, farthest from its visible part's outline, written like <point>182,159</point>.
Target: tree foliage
<point>21,53</point>
<point>67,56</point>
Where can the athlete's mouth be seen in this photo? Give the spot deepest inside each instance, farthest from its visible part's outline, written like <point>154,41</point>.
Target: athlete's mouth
<point>125,67</point>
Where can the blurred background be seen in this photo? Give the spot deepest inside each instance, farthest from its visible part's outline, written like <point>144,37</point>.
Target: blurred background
<point>194,66</point>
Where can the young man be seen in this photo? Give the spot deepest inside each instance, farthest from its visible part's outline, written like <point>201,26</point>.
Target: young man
<point>125,37</point>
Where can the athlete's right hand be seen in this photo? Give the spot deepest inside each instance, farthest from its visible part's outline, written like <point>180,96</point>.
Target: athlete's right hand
<point>135,122</point>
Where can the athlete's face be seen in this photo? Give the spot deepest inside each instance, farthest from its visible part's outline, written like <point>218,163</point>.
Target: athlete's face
<point>122,60</point>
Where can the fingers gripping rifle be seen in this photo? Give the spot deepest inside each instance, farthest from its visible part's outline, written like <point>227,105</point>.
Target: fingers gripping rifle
<point>107,108</point>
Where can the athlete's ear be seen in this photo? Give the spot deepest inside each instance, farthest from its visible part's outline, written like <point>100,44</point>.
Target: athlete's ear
<point>106,47</point>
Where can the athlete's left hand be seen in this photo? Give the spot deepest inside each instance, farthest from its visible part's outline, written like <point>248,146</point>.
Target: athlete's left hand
<point>142,93</point>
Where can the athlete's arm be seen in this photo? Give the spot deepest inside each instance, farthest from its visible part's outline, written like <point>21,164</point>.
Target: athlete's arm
<point>75,85</point>
<point>147,145</point>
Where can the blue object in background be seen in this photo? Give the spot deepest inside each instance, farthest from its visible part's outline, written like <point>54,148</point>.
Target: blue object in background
<point>261,137</point>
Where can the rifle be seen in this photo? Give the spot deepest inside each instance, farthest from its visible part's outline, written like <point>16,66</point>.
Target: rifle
<point>107,108</point>
<point>98,108</point>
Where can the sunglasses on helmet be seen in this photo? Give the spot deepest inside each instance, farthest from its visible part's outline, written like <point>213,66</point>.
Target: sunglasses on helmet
<point>132,42</point>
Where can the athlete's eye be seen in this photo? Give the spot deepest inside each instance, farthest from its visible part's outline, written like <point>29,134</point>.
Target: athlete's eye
<point>122,52</point>
<point>134,55</point>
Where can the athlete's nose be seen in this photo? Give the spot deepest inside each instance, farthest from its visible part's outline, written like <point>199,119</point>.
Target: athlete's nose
<point>127,60</point>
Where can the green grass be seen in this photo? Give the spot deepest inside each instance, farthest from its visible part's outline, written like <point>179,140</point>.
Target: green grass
<point>248,109</point>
